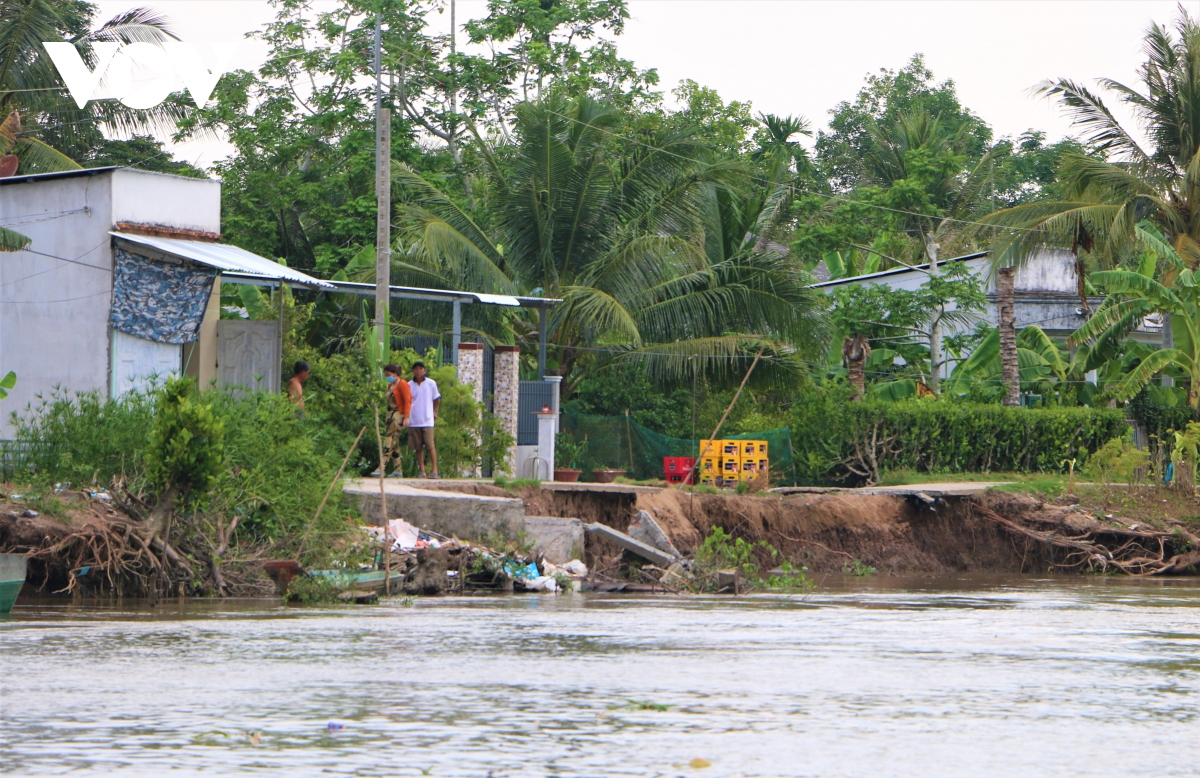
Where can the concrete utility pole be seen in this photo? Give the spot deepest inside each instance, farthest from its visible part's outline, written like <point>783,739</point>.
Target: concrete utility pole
<point>935,333</point>
<point>383,195</point>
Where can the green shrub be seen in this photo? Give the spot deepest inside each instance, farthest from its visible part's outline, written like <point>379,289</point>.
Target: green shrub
<point>839,440</point>
<point>343,391</point>
<point>83,438</point>
<point>186,449</point>
<point>272,468</point>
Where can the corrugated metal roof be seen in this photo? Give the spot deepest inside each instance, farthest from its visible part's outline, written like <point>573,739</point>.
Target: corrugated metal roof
<point>223,257</point>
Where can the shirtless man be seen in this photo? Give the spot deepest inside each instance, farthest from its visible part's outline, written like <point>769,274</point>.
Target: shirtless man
<point>295,386</point>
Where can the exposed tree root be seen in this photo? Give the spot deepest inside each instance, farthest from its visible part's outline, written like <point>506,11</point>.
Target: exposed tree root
<point>1094,546</point>
<point>112,549</point>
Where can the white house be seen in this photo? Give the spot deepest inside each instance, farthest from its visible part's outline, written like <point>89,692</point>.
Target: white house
<point>1046,293</point>
<point>121,282</point>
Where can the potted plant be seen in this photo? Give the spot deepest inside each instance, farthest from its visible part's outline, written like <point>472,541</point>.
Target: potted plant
<point>567,452</point>
<point>606,475</point>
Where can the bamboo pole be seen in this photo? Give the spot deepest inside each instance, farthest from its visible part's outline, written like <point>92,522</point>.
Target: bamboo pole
<point>387,547</point>
<point>725,416</point>
<point>328,492</point>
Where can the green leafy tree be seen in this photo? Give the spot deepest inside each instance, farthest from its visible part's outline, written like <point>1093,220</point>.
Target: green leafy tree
<point>902,323</point>
<point>851,140</point>
<point>186,450</point>
<point>648,257</point>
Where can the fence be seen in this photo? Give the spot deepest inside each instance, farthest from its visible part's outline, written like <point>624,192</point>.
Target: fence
<point>620,442</point>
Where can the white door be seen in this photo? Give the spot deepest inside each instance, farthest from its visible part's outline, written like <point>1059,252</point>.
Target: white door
<point>138,363</point>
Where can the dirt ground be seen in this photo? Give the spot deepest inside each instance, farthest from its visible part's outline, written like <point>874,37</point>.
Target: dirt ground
<point>824,532</point>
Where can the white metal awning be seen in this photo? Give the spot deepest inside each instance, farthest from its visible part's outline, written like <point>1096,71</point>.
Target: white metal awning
<point>222,257</point>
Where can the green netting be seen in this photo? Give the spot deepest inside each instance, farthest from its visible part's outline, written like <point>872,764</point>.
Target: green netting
<point>620,442</point>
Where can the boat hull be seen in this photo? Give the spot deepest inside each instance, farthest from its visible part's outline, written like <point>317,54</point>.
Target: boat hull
<point>12,578</point>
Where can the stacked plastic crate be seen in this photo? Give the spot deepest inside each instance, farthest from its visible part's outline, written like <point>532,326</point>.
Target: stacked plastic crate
<point>726,462</point>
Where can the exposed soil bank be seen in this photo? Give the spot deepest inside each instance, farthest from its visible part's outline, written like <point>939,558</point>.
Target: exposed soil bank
<point>992,532</point>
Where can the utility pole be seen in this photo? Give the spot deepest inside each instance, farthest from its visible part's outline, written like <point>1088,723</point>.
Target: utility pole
<point>383,198</point>
<point>935,332</point>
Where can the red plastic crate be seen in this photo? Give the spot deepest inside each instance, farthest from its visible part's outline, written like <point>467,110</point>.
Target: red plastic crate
<point>678,469</point>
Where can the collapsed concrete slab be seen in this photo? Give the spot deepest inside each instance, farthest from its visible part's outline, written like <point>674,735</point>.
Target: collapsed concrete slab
<point>466,516</point>
<point>644,550</point>
<point>559,540</point>
<point>643,527</point>
<point>470,517</point>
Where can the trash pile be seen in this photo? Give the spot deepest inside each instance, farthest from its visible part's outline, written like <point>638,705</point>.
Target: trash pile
<point>422,562</point>
<point>427,563</point>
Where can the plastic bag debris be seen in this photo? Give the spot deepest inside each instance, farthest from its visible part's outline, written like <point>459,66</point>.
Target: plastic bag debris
<point>405,534</point>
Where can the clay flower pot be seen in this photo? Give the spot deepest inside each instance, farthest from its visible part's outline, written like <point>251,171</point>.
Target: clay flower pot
<point>606,476</point>
<point>566,474</point>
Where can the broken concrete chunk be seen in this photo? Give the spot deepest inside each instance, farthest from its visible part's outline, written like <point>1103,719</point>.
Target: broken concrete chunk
<point>646,529</point>
<point>676,577</point>
<point>644,550</point>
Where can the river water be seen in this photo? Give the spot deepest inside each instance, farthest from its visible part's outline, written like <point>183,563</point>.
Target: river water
<point>882,677</point>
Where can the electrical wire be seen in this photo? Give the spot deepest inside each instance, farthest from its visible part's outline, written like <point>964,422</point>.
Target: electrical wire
<point>31,219</point>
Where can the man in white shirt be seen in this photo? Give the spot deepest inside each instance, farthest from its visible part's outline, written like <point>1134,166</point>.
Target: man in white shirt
<point>425,402</point>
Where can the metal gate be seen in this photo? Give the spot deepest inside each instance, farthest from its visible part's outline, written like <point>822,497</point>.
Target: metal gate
<point>531,398</point>
<point>248,355</point>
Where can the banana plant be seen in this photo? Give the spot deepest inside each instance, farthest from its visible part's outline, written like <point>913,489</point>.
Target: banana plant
<point>7,382</point>
<point>1134,295</point>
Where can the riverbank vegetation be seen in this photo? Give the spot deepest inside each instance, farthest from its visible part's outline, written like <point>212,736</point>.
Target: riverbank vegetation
<point>684,233</point>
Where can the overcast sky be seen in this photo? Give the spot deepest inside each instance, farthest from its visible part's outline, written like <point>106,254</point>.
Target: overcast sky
<point>804,56</point>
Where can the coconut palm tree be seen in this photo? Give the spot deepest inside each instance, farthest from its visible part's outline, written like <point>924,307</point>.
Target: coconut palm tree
<point>30,85</point>
<point>647,242</point>
<point>934,196</point>
<point>1108,192</point>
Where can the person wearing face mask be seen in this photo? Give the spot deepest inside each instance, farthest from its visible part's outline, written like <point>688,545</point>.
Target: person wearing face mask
<point>399,406</point>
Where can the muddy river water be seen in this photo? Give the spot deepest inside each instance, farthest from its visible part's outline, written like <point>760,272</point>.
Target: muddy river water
<point>917,677</point>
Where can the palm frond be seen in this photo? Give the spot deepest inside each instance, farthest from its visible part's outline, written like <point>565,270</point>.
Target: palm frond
<point>1089,112</point>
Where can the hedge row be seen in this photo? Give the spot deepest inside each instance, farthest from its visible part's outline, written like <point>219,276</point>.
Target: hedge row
<point>942,437</point>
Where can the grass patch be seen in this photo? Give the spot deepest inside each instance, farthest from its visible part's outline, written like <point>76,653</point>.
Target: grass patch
<point>904,477</point>
<point>1044,485</point>
<point>510,484</point>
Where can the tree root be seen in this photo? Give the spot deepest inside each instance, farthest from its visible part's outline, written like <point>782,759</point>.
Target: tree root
<point>1134,552</point>
<point>110,548</point>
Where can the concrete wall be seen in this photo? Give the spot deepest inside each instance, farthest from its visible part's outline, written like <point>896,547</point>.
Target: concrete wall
<point>54,309</point>
<point>167,201</point>
<point>200,356</point>
<point>55,297</point>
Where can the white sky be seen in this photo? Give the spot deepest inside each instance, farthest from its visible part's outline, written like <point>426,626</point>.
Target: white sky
<point>804,56</point>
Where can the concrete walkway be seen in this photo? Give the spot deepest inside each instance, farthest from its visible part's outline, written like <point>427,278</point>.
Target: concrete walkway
<point>471,517</point>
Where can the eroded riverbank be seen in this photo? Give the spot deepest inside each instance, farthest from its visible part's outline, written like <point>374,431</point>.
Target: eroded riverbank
<point>933,676</point>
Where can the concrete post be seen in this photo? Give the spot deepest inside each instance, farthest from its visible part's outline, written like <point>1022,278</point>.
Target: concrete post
<point>469,358</point>
<point>456,330</point>
<point>506,397</point>
<point>547,426</point>
<point>470,368</point>
<point>555,382</point>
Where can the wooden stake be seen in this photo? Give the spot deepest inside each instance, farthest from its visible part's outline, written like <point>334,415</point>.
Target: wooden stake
<point>328,492</point>
<point>387,547</point>
<point>736,395</point>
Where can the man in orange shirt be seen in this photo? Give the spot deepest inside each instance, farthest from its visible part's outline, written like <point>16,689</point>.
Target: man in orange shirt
<point>399,405</point>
